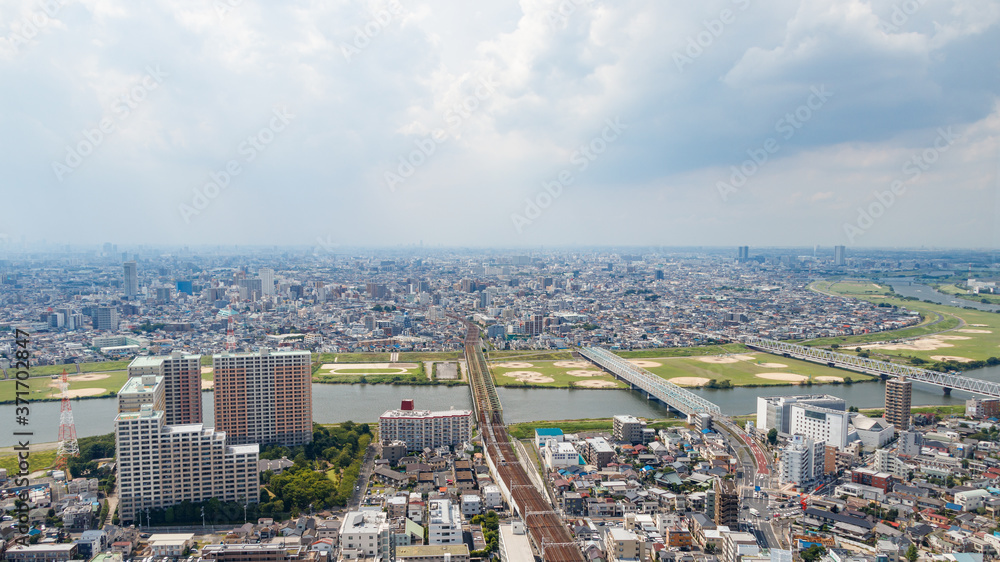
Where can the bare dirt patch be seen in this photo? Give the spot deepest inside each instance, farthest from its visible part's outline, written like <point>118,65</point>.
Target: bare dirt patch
<point>957,358</point>
<point>772,365</point>
<point>206,370</point>
<point>787,377</point>
<point>529,376</point>
<point>689,381</point>
<point>569,364</point>
<point>719,359</point>
<point>595,384</point>
<point>971,331</point>
<point>643,363</point>
<point>514,365</point>
<point>85,392</point>
<point>88,377</point>
<point>207,385</point>
<point>582,373</point>
<point>829,378</point>
<point>744,357</point>
<point>929,343</point>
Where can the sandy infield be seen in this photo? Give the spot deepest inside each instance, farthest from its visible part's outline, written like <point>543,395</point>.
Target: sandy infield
<point>828,378</point>
<point>206,370</point>
<point>772,365</point>
<point>595,384</point>
<point>207,385</point>
<point>689,381</point>
<point>568,364</point>
<point>951,358</point>
<point>582,373</point>
<point>787,377</point>
<point>513,365</point>
<point>529,376</point>
<point>85,392</point>
<point>643,363</point>
<point>87,377</point>
<point>929,343</point>
<point>954,337</point>
<point>970,331</point>
<point>726,359</point>
<point>980,325</point>
<point>744,357</point>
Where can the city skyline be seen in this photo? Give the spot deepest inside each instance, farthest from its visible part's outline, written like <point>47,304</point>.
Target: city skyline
<point>722,123</point>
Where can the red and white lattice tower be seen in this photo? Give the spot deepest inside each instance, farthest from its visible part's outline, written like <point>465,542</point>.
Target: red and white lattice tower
<point>68,446</point>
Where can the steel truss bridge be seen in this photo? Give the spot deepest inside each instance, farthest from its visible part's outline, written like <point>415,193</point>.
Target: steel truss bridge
<point>680,399</point>
<point>874,367</point>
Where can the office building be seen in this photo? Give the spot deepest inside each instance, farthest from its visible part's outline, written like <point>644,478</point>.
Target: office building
<point>898,392</point>
<point>131,284</point>
<point>627,429</point>
<point>106,318</point>
<point>266,281</point>
<point>182,384</point>
<point>802,461</point>
<point>186,287</point>
<point>742,253</point>
<point>161,465</point>
<point>839,256</point>
<point>445,522</point>
<point>727,503</point>
<point>775,411</point>
<point>822,425</point>
<point>421,429</point>
<point>264,397</point>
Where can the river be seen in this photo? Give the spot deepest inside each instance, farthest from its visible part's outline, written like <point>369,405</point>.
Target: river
<point>908,288</point>
<point>364,403</point>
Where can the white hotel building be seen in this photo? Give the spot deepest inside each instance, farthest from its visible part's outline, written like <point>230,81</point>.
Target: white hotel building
<point>421,429</point>
<point>820,424</point>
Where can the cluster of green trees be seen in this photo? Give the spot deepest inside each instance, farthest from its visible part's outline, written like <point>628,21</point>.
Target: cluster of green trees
<point>719,384</point>
<point>491,533</point>
<point>813,553</point>
<point>85,465</point>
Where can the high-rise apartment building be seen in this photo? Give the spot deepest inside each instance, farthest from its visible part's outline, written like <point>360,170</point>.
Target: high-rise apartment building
<point>160,465</point>
<point>627,429</point>
<point>423,428</point>
<point>727,504</point>
<point>264,397</point>
<point>131,284</point>
<point>839,255</point>
<point>106,318</point>
<point>742,253</point>
<point>898,393</point>
<point>266,281</point>
<point>182,384</point>
<point>802,461</point>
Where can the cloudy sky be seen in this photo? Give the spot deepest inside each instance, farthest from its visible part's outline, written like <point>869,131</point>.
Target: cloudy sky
<point>541,122</point>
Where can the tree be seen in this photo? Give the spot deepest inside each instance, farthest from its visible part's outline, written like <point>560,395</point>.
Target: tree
<point>772,435</point>
<point>852,409</point>
<point>912,553</point>
<point>813,553</point>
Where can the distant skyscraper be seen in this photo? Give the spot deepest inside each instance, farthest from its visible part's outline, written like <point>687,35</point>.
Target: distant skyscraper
<point>267,281</point>
<point>131,279</point>
<point>264,397</point>
<point>106,318</point>
<point>839,255</point>
<point>743,253</point>
<point>898,393</point>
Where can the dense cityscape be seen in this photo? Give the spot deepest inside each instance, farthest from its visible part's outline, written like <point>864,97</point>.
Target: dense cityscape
<point>250,475</point>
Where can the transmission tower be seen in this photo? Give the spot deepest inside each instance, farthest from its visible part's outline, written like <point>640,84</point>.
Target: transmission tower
<point>68,446</point>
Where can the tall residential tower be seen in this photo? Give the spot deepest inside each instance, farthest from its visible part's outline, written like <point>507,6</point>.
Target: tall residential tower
<point>898,393</point>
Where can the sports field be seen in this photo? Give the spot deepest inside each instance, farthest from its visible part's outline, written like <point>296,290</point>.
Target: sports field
<point>746,369</point>
<point>84,385</point>
<point>564,373</point>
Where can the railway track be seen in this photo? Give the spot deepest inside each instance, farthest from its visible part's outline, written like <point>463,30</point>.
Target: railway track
<point>548,532</point>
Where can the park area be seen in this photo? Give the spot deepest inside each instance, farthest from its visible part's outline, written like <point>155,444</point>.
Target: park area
<point>80,386</point>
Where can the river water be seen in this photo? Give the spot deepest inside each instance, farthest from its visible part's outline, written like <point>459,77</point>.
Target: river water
<point>364,403</point>
<point>908,288</point>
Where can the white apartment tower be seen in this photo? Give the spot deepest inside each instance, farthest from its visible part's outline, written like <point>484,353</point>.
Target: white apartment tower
<point>181,384</point>
<point>131,285</point>
<point>421,429</point>
<point>267,281</point>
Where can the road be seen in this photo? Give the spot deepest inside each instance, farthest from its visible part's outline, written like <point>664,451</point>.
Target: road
<point>362,485</point>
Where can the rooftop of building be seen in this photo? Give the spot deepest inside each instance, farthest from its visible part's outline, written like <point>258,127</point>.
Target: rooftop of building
<point>425,413</point>
<point>433,550</point>
<point>137,385</point>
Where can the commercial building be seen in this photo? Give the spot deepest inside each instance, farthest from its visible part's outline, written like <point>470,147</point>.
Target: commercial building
<point>421,429</point>
<point>898,392</point>
<point>869,477</point>
<point>445,523</point>
<point>161,465</point>
<point>627,429</point>
<point>982,408</point>
<point>774,412</point>
<point>131,284</point>
<point>873,432</point>
<point>727,504</point>
<point>264,397</point>
<point>182,384</point>
<point>559,454</point>
<point>820,424</point>
<point>802,461</point>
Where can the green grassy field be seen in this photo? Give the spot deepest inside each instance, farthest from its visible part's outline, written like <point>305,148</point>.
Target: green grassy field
<point>559,375</point>
<point>948,321</point>
<point>413,356</point>
<point>852,287</point>
<point>528,355</point>
<point>683,351</point>
<point>37,460</point>
<point>527,430</point>
<point>951,289</point>
<point>40,390</point>
<point>96,367</point>
<point>743,373</point>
